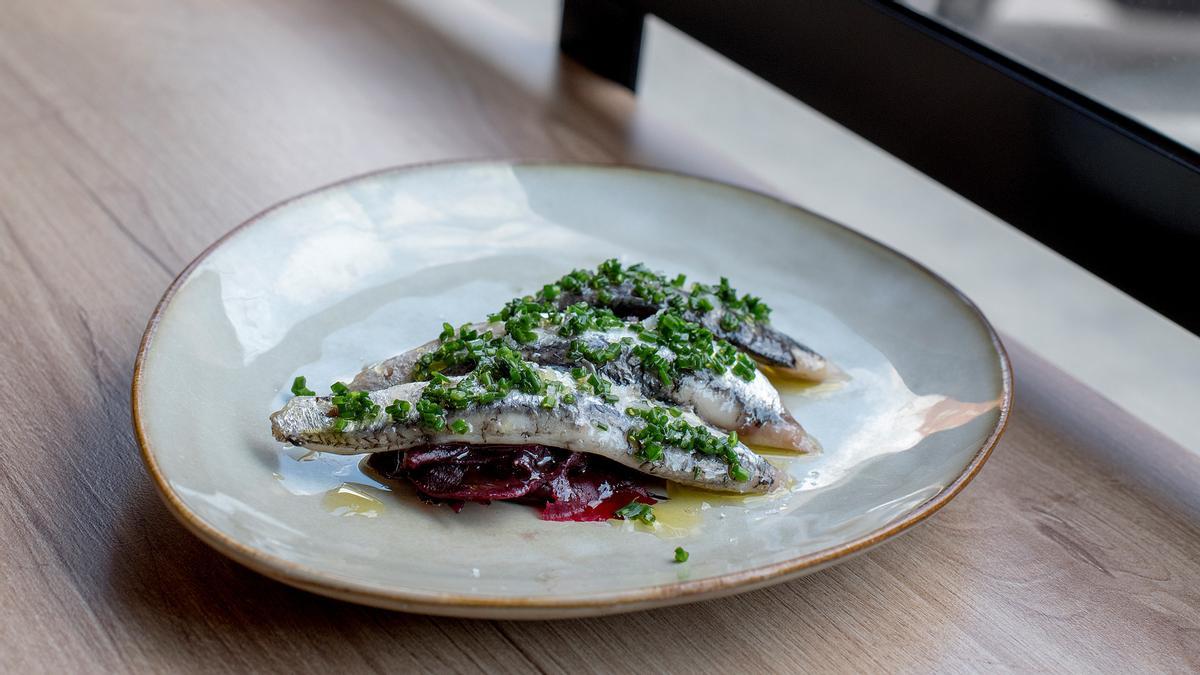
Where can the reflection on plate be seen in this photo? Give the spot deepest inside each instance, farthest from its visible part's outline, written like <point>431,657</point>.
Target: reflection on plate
<point>359,271</point>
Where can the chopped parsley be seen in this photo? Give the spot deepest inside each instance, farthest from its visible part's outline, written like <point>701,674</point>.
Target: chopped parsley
<point>681,556</point>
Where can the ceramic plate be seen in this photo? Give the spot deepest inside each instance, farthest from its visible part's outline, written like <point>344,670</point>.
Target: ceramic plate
<point>369,267</point>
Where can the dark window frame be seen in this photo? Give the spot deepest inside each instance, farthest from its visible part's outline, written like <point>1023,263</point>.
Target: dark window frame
<point>1108,192</point>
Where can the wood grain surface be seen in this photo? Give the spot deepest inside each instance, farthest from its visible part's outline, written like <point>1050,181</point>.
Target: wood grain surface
<point>134,132</point>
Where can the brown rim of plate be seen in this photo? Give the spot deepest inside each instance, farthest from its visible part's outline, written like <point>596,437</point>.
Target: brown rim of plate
<point>444,603</point>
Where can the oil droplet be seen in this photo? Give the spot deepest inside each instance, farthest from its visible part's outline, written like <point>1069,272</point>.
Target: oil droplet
<point>787,385</point>
<point>348,499</point>
<point>681,514</point>
<point>689,499</point>
<point>677,517</point>
<point>784,457</point>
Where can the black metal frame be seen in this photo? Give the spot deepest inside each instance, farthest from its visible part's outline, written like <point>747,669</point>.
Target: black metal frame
<point>1108,192</point>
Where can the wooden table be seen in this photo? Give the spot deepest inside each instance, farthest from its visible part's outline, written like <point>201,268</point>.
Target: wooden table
<point>134,132</point>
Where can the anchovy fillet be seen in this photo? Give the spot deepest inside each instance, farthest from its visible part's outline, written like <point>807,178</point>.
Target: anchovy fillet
<point>589,425</point>
<point>724,400</point>
<point>399,369</point>
<point>759,339</point>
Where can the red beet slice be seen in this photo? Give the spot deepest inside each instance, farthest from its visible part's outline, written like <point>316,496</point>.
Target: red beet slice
<point>567,486</point>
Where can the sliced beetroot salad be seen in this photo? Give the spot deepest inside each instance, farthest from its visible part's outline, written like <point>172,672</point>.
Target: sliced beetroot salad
<point>565,485</point>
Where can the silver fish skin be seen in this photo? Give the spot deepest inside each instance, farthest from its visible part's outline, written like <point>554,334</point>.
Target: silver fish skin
<point>520,419</point>
<point>391,371</point>
<point>399,369</point>
<point>759,339</point>
<point>724,400</point>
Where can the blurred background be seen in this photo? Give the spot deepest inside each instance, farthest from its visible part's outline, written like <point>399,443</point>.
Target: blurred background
<point>1141,57</point>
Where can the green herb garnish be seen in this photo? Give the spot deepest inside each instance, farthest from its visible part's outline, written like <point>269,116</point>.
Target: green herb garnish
<point>431,414</point>
<point>300,388</point>
<point>351,406</point>
<point>636,510</point>
<point>399,410</point>
<point>689,347</point>
<point>661,429</point>
<point>491,368</point>
<point>681,556</point>
<point>657,290</point>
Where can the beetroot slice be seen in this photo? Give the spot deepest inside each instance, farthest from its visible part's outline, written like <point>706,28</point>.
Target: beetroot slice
<point>567,486</point>
<point>459,472</point>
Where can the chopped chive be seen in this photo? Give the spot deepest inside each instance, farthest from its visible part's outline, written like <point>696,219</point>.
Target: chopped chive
<point>399,410</point>
<point>300,387</point>
<point>493,363</point>
<point>681,556</point>
<point>637,511</point>
<point>661,429</point>
<point>600,425</point>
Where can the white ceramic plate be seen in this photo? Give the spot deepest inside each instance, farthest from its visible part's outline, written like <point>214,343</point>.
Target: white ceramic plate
<point>367,268</point>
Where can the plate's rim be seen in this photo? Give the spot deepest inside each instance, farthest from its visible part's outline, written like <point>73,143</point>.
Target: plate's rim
<point>316,580</point>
